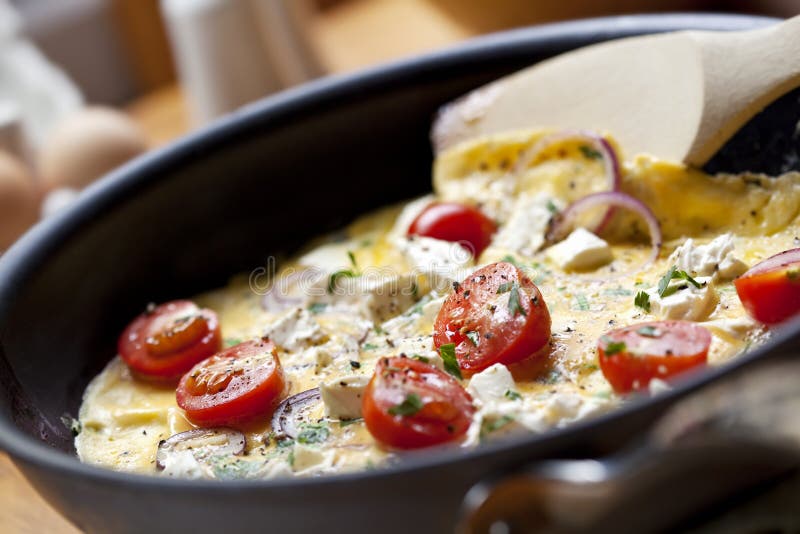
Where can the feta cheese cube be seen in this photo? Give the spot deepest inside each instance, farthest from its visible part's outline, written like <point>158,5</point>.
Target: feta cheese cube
<point>715,259</point>
<point>442,262</point>
<point>342,396</point>
<point>687,302</point>
<point>309,460</point>
<point>524,232</point>
<point>581,250</point>
<point>490,385</point>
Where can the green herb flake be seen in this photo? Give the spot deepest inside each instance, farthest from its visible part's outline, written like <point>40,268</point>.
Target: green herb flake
<point>514,305</point>
<point>511,394</point>
<point>448,354</point>
<point>488,426</point>
<point>369,346</point>
<point>317,307</point>
<point>552,208</point>
<point>673,273</point>
<point>642,300</point>
<point>649,331</point>
<point>589,152</point>
<point>504,288</point>
<point>72,424</point>
<point>617,292</point>
<point>581,302</point>
<point>352,257</point>
<point>613,347</point>
<point>313,433</point>
<point>410,406</point>
<point>231,341</point>
<point>474,337</point>
<point>334,278</point>
<point>344,423</point>
<point>793,274</point>
<point>284,443</point>
<point>423,359</point>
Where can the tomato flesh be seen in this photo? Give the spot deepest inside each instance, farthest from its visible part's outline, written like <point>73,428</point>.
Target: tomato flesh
<point>166,341</point>
<point>770,290</point>
<point>496,315</point>
<point>632,356</point>
<point>444,412</point>
<point>236,385</point>
<point>455,222</point>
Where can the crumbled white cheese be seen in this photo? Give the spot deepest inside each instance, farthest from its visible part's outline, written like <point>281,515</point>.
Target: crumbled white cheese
<point>687,302</point>
<point>524,232</point>
<point>328,258</point>
<point>581,250</point>
<point>182,464</point>
<point>342,396</point>
<point>735,328</point>
<point>715,259</point>
<point>490,385</point>
<point>443,262</point>
<point>388,296</point>
<point>658,386</point>
<point>295,330</point>
<point>309,460</point>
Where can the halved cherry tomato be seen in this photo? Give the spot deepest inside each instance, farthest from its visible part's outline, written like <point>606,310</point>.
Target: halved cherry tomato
<point>455,222</point>
<point>632,356</point>
<point>770,290</point>
<point>409,404</point>
<point>496,315</point>
<point>166,341</point>
<point>237,384</point>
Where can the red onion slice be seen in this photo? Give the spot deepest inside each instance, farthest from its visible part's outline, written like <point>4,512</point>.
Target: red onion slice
<point>599,143</point>
<point>202,442</point>
<point>563,222</point>
<point>275,299</point>
<point>284,420</point>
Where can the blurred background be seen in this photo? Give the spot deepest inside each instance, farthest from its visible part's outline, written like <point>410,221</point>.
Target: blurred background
<point>86,85</point>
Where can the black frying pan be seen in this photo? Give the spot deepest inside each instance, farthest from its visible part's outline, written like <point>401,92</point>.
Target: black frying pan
<point>182,219</point>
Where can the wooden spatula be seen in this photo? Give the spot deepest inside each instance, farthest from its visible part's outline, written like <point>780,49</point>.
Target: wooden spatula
<point>679,96</point>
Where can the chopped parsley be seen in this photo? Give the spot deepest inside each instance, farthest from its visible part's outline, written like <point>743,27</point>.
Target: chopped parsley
<point>72,424</point>
<point>552,208</point>
<point>514,305</point>
<point>410,406</point>
<point>352,259</point>
<point>313,433</point>
<point>649,331</point>
<point>504,288</point>
<point>511,394</point>
<point>317,307</point>
<point>448,354</point>
<point>369,346</point>
<point>474,337</point>
<point>613,347</point>
<point>642,300</point>
<point>489,426</point>
<point>334,278</point>
<point>589,152</point>
<point>617,292</point>
<point>581,302</point>
<point>231,341</point>
<point>423,359</point>
<point>664,289</point>
<point>793,274</point>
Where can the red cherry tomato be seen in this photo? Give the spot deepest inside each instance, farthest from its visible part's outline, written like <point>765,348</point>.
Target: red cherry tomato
<point>237,384</point>
<point>632,356</point>
<point>455,222</point>
<point>496,315</point>
<point>409,404</point>
<point>770,290</point>
<point>165,342</point>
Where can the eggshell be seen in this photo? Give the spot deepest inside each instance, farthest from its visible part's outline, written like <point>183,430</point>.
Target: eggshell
<point>87,145</point>
<point>19,199</point>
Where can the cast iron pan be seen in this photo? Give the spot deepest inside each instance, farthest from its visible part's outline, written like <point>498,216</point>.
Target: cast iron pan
<point>182,219</point>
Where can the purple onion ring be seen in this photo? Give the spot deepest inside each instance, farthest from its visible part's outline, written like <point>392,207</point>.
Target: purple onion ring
<point>284,420</point>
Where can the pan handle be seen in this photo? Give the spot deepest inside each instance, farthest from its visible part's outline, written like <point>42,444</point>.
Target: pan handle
<point>732,435</point>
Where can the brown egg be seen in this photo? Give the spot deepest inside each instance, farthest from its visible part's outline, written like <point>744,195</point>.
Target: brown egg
<point>87,145</point>
<point>19,199</point>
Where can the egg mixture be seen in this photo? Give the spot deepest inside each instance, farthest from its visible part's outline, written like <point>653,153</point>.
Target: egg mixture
<point>372,291</point>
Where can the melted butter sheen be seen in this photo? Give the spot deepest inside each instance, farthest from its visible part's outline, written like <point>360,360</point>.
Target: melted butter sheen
<point>123,419</point>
